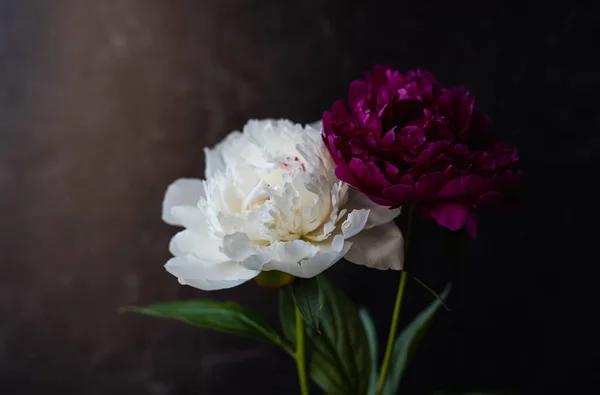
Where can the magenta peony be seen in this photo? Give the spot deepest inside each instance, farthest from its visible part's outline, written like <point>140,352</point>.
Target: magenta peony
<point>407,140</point>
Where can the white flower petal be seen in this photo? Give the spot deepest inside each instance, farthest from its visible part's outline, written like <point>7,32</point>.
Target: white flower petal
<point>257,257</point>
<point>238,247</point>
<point>208,275</point>
<point>216,157</point>
<point>354,223</point>
<point>323,260</point>
<point>214,161</point>
<point>379,214</point>
<point>286,256</point>
<point>277,137</point>
<point>293,251</point>
<point>318,125</point>
<point>189,242</point>
<point>190,217</point>
<point>381,248</point>
<point>182,192</point>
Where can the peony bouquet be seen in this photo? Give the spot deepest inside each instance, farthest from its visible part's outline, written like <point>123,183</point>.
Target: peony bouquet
<point>282,202</point>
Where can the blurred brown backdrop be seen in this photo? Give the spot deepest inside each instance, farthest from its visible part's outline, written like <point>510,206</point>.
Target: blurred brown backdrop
<point>103,103</point>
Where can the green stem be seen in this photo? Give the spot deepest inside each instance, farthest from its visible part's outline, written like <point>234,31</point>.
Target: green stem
<point>300,354</point>
<point>393,328</point>
<point>385,366</point>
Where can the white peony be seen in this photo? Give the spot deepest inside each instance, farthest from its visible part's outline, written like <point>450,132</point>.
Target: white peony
<point>271,201</point>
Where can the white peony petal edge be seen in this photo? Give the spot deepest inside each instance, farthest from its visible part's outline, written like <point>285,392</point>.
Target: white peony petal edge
<point>213,157</point>
<point>379,214</point>
<point>182,192</point>
<point>354,223</point>
<point>190,217</point>
<point>381,248</point>
<point>318,125</point>
<point>298,258</point>
<point>314,266</point>
<point>208,275</point>
<point>256,257</point>
<point>238,247</point>
<point>189,242</point>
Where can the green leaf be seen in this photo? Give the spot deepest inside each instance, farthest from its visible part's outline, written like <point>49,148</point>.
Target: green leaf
<point>287,316</point>
<point>339,358</point>
<point>226,317</point>
<point>369,326</point>
<point>344,339</point>
<point>309,300</point>
<point>406,344</point>
<point>322,369</point>
<point>429,289</point>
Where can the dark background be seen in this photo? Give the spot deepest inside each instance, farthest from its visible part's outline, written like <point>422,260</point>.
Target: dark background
<point>104,103</point>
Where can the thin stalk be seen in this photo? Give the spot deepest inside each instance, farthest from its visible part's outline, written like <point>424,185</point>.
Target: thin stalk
<point>385,366</point>
<point>300,354</point>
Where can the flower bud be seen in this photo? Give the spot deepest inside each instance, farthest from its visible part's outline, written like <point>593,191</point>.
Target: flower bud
<point>274,279</point>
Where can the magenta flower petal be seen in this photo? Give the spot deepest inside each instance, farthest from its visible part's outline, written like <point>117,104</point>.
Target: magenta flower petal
<point>450,214</point>
<point>343,172</point>
<point>357,92</point>
<point>428,186</point>
<point>399,192</point>
<point>378,175</point>
<point>471,224</point>
<point>339,110</point>
<point>389,138</point>
<point>466,189</point>
<point>408,140</point>
<point>383,201</point>
<point>362,172</point>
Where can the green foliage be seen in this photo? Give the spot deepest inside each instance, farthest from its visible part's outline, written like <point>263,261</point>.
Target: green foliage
<point>226,317</point>
<point>339,355</point>
<point>309,300</point>
<point>406,344</point>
